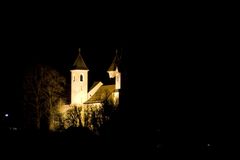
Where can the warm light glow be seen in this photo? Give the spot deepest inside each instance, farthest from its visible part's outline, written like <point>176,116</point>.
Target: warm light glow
<point>118,81</point>
<point>91,115</point>
<point>63,109</point>
<point>112,74</point>
<point>79,89</point>
<point>116,98</point>
<point>94,90</point>
<point>84,115</point>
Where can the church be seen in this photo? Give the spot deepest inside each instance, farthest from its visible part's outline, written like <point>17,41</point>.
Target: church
<point>98,92</point>
<point>87,103</point>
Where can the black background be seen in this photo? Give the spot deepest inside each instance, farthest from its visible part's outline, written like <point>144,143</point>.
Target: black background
<point>177,74</point>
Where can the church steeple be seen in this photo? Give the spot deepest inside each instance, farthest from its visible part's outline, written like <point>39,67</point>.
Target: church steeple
<point>113,71</point>
<point>79,81</point>
<point>115,62</point>
<point>79,62</point>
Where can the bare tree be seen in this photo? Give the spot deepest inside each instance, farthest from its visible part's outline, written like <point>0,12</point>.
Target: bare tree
<point>73,117</point>
<point>43,88</point>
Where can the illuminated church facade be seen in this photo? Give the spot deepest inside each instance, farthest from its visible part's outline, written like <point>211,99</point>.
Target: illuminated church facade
<point>90,102</point>
<point>98,92</point>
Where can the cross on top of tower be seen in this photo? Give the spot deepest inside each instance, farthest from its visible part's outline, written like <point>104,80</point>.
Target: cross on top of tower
<point>115,62</point>
<point>79,62</point>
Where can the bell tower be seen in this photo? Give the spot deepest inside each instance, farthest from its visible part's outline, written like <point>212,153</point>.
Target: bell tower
<point>79,81</point>
<point>113,71</point>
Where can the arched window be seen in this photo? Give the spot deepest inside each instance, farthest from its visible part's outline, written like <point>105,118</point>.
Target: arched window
<point>81,77</point>
<point>73,78</point>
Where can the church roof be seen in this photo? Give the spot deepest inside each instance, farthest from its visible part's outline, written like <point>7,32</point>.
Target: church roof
<point>94,84</point>
<point>102,94</point>
<point>79,63</point>
<point>115,63</point>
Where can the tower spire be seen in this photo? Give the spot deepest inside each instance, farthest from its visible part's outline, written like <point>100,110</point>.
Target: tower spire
<point>79,81</point>
<point>115,62</point>
<point>79,62</point>
<point>114,67</point>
